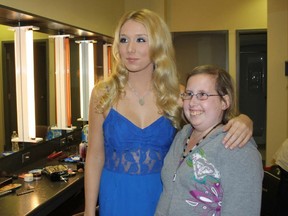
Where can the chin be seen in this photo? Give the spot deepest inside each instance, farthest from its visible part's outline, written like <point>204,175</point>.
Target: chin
<point>133,70</point>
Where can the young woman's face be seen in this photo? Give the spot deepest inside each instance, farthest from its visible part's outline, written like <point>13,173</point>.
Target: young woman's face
<point>203,114</point>
<point>134,47</point>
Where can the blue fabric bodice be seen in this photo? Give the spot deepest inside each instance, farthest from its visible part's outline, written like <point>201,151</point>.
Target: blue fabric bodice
<point>132,150</point>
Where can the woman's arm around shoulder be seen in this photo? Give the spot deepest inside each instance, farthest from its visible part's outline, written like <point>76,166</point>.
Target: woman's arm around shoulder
<point>239,131</point>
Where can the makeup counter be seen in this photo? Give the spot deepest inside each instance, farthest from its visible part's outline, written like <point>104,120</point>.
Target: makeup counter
<point>42,195</point>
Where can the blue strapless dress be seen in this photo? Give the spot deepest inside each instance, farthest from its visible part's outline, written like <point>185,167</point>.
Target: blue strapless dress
<point>130,182</point>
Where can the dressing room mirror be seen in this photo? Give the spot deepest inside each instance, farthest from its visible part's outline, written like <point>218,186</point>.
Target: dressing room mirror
<point>44,71</point>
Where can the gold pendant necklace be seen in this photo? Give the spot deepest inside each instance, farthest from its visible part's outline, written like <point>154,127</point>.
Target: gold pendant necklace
<point>141,100</point>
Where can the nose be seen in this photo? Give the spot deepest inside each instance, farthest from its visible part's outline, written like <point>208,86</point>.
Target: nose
<point>193,100</point>
<point>131,47</point>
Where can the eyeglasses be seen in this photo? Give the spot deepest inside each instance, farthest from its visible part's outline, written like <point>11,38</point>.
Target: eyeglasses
<point>200,95</point>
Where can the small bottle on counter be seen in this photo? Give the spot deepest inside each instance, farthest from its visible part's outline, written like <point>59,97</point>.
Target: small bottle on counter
<point>15,144</point>
<point>85,133</point>
<point>84,143</point>
<point>82,151</point>
<point>49,134</point>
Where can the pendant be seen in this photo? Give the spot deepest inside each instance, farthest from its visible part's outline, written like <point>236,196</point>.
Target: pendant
<point>141,101</point>
<point>174,177</point>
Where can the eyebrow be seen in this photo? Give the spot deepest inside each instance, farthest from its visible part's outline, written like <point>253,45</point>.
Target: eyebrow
<point>136,35</point>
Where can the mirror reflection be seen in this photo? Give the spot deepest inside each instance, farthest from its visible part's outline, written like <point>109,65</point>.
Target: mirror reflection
<point>44,75</point>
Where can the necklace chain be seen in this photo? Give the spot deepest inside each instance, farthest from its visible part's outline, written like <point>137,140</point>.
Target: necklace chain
<point>186,144</point>
<point>184,149</point>
<point>141,100</point>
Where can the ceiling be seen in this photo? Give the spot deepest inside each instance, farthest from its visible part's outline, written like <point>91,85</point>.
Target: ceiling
<point>12,17</point>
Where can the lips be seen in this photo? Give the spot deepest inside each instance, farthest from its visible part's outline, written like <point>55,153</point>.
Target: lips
<point>131,59</point>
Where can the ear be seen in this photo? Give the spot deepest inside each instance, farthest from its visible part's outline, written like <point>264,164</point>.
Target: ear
<point>225,102</point>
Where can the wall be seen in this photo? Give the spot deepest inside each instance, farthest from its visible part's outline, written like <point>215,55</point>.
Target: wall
<point>94,15</point>
<point>277,97</point>
<point>158,6</point>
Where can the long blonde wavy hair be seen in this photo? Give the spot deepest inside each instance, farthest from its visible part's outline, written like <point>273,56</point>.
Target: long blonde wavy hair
<point>165,78</point>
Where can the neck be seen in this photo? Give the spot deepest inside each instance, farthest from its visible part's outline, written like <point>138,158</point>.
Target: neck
<point>139,94</point>
<point>200,136</point>
<point>139,88</point>
<point>140,82</point>
<point>193,142</point>
<point>141,77</point>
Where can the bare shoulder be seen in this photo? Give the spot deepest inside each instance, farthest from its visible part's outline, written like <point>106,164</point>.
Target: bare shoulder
<point>98,100</point>
<point>99,91</point>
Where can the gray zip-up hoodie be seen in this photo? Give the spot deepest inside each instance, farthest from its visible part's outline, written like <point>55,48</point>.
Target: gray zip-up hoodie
<point>212,180</point>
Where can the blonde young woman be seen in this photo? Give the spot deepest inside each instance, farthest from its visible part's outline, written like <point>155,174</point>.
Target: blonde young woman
<point>133,118</point>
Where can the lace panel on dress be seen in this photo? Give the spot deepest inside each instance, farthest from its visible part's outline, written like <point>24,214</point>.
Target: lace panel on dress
<point>134,161</point>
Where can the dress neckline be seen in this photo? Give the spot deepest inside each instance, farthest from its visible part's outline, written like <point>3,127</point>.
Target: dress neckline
<point>132,123</point>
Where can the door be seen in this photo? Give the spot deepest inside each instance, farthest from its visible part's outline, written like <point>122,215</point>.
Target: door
<point>253,81</point>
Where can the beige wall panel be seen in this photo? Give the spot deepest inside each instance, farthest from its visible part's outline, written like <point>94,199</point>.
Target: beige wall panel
<point>194,15</point>
<point>277,95</point>
<point>94,15</point>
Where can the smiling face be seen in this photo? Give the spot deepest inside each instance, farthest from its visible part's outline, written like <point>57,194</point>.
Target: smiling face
<point>203,114</point>
<point>134,47</point>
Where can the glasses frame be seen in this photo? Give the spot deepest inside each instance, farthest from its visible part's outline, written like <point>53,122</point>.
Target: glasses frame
<point>198,95</point>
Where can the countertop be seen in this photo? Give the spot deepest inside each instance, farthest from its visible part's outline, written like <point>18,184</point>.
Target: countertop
<point>47,194</point>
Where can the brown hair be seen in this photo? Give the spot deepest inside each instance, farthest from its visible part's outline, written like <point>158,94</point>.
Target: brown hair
<point>224,86</point>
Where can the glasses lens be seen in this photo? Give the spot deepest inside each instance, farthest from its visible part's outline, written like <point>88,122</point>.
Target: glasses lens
<point>186,96</point>
<point>202,96</point>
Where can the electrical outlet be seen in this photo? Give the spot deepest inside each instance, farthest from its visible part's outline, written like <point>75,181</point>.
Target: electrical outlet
<point>62,142</point>
<point>25,157</point>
